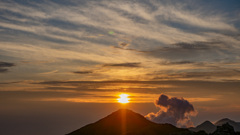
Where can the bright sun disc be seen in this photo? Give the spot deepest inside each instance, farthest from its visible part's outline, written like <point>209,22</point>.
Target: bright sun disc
<point>123,98</point>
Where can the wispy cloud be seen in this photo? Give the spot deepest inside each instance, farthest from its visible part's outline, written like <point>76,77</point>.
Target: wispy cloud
<point>176,62</point>
<point>118,40</point>
<point>4,66</point>
<point>82,72</point>
<point>204,75</point>
<point>122,65</point>
<point>117,20</point>
<point>50,72</point>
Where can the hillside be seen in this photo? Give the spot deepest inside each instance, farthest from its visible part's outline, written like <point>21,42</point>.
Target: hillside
<point>127,122</point>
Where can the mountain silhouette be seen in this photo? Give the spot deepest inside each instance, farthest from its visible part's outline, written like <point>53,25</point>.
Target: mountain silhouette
<point>225,129</point>
<point>235,125</point>
<point>127,122</point>
<point>209,127</point>
<point>206,126</point>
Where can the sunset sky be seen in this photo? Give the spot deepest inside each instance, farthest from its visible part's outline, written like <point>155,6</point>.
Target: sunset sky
<point>78,56</point>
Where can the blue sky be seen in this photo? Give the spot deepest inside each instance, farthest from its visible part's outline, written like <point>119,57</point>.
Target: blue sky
<point>92,50</point>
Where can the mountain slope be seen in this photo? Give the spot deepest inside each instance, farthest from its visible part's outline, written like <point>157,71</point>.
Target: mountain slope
<point>235,125</point>
<point>206,126</point>
<point>126,122</point>
<point>225,129</point>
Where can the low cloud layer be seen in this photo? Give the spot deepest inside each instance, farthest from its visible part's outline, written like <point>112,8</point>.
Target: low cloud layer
<point>176,111</point>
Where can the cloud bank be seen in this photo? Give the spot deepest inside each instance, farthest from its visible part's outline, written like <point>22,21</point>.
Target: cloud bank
<point>176,111</point>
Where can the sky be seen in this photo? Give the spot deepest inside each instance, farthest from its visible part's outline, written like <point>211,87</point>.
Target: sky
<point>68,59</point>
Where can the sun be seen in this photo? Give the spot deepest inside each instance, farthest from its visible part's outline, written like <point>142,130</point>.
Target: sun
<point>123,98</point>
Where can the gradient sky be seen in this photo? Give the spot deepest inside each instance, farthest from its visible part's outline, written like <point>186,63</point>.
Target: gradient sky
<point>89,51</point>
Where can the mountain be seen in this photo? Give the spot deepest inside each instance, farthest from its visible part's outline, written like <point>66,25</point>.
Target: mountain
<point>235,125</point>
<point>209,127</point>
<point>127,122</point>
<point>225,129</point>
<point>206,126</point>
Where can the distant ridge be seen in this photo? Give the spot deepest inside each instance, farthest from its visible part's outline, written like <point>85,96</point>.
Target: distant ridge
<point>209,127</point>
<point>206,126</point>
<point>235,125</point>
<point>127,122</point>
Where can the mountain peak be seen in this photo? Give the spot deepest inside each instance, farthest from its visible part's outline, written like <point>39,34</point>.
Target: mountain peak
<point>206,126</point>
<point>127,116</point>
<point>125,111</point>
<point>235,125</point>
<point>224,119</point>
<point>207,123</point>
<point>209,127</point>
<point>126,122</point>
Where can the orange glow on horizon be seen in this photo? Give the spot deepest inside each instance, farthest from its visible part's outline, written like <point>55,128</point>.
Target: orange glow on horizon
<point>123,98</point>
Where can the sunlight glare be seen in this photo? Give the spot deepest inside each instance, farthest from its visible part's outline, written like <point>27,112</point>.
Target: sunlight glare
<point>123,98</point>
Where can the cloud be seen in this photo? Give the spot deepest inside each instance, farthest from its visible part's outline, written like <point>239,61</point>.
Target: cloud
<point>50,72</point>
<point>197,45</point>
<point>196,51</point>
<point>73,53</point>
<point>3,66</point>
<point>6,64</point>
<point>82,72</point>
<point>200,17</point>
<point>217,74</point>
<point>130,18</point>
<point>176,62</point>
<point>176,111</point>
<point>123,44</point>
<point>143,91</point>
<point>123,65</point>
<point>126,49</point>
<point>146,31</point>
<point>2,70</point>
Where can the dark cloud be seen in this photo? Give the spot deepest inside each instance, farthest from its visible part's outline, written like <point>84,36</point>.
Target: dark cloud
<point>3,66</point>
<point>195,45</point>
<point>187,52</point>
<point>79,82</point>
<point>103,86</point>
<point>176,62</point>
<point>195,51</point>
<point>10,82</point>
<point>221,74</point>
<point>2,70</point>
<point>202,88</point>
<point>176,111</point>
<point>122,65</point>
<point>134,50</point>
<point>18,95</point>
<point>83,72</point>
<point>81,88</point>
<point>123,44</point>
<point>6,64</point>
